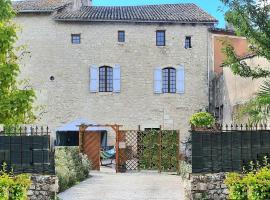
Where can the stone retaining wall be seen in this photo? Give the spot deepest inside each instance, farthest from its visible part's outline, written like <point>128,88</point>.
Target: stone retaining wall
<point>206,186</point>
<point>44,187</point>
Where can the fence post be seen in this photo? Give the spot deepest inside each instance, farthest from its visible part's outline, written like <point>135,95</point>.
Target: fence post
<point>117,150</point>
<point>160,147</point>
<point>82,129</point>
<point>178,152</point>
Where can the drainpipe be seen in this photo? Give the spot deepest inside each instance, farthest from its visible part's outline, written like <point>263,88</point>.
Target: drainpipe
<point>208,69</point>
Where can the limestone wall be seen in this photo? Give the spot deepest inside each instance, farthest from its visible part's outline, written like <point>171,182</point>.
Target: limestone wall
<point>44,187</point>
<point>206,186</point>
<point>67,97</point>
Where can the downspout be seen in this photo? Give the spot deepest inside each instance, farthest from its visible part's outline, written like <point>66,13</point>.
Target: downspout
<point>208,70</point>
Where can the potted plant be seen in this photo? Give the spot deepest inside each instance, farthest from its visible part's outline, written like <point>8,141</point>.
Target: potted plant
<point>202,121</point>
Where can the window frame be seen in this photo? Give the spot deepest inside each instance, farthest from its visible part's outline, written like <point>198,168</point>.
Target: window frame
<point>73,35</point>
<point>188,42</point>
<point>121,38</point>
<point>158,37</point>
<point>169,82</point>
<point>105,80</point>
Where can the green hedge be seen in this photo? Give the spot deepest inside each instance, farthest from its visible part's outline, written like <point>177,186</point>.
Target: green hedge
<point>251,186</point>
<point>14,187</point>
<point>71,166</point>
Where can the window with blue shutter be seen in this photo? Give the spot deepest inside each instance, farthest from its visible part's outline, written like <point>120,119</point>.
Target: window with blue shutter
<point>94,78</point>
<point>116,78</point>
<point>180,80</point>
<point>158,80</point>
<point>169,80</point>
<point>105,79</point>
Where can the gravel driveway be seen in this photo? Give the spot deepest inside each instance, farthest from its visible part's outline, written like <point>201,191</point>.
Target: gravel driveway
<point>128,186</point>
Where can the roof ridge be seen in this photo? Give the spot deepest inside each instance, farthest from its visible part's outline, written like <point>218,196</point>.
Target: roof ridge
<point>146,5</point>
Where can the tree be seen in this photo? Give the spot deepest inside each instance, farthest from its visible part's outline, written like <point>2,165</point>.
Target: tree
<point>16,105</point>
<point>251,19</point>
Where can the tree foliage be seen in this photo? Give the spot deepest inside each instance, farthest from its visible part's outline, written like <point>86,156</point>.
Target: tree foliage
<point>251,19</point>
<point>16,104</point>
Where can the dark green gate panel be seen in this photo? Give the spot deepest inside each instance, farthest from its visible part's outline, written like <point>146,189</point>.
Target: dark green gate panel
<point>226,151</point>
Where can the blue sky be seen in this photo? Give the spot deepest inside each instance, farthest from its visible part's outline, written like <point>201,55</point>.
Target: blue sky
<point>211,6</point>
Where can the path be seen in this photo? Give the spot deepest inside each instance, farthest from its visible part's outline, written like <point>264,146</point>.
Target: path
<point>127,186</point>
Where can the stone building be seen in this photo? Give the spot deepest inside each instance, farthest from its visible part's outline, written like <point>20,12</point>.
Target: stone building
<point>130,65</point>
<point>231,91</point>
<point>218,36</point>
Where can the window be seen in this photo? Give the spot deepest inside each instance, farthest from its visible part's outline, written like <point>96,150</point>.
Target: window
<point>105,79</point>
<point>169,80</point>
<point>121,36</point>
<point>76,38</point>
<point>188,42</point>
<point>160,38</point>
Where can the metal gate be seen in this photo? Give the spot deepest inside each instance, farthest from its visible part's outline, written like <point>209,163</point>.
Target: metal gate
<point>147,150</point>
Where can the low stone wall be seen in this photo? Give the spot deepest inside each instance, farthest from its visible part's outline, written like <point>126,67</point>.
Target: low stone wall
<point>206,186</point>
<point>44,187</point>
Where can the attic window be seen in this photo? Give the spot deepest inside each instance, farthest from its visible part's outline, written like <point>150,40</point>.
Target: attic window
<point>76,38</point>
<point>160,38</point>
<point>188,42</point>
<point>121,36</point>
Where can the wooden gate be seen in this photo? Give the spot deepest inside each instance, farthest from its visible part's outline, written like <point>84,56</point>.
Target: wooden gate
<point>147,150</point>
<point>91,147</point>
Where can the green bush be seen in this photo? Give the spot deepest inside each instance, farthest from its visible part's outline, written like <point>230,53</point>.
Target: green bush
<point>71,166</point>
<point>251,186</point>
<point>13,187</point>
<point>202,119</point>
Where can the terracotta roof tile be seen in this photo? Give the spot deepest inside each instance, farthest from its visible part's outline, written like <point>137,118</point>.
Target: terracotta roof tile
<point>174,13</point>
<point>168,13</point>
<point>38,5</point>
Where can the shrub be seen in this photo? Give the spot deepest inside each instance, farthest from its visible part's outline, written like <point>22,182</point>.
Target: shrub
<point>202,119</point>
<point>71,166</point>
<point>13,187</point>
<point>251,186</point>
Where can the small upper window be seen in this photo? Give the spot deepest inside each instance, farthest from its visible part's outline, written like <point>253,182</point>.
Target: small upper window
<point>160,38</point>
<point>76,38</point>
<point>121,36</point>
<point>188,42</point>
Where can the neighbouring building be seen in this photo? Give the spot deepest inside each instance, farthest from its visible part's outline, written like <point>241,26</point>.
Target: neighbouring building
<point>129,65</point>
<point>218,36</point>
<point>231,91</point>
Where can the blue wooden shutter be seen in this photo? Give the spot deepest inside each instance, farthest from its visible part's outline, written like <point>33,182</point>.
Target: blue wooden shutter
<point>94,78</point>
<point>116,78</point>
<point>180,79</point>
<point>158,80</point>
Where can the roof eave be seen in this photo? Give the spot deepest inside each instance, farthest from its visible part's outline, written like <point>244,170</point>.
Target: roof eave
<point>35,11</point>
<point>137,21</point>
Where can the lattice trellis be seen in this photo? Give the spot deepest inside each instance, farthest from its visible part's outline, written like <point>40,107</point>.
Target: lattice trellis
<point>149,150</point>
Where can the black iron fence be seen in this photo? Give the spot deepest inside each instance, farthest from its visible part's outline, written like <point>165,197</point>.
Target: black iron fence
<point>228,149</point>
<point>27,150</point>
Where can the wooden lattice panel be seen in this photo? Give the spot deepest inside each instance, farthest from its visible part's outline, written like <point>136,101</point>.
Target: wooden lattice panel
<point>149,150</point>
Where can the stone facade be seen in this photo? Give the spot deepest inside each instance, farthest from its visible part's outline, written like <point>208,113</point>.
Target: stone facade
<point>67,97</point>
<point>44,187</point>
<point>206,186</point>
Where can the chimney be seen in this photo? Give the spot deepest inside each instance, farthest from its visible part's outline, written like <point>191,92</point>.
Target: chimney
<point>81,3</point>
